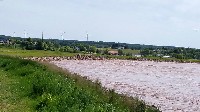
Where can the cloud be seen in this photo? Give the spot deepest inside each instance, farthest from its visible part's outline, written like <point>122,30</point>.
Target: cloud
<point>196,29</point>
<point>106,19</point>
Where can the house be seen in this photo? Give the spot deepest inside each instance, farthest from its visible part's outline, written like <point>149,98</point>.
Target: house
<point>166,56</point>
<point>113,52</point>
<point>159,54</point>
<point>137,55</point>
<point>77,48</point>
<point>120,48</point>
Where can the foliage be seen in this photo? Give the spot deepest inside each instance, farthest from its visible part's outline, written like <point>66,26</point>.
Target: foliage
<point>120,52</point>
<point>92,49</point>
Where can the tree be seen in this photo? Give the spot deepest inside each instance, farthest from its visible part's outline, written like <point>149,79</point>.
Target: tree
<point>92,49</point>
<point>29,39</point>
<point>105,52</point>
<point>39,45</point>
<point>29,44</point>
<point>50,46</point>
<point>69,49</point>
<point>81,47</point>
<point>115,46</point>
<point>145,52</point>
<point>46,46</point>
<point>98,51</point>
<point>120,52</point>
<point>126,47</point>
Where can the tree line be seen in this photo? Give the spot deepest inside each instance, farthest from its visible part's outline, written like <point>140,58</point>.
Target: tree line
<point>73,46</point>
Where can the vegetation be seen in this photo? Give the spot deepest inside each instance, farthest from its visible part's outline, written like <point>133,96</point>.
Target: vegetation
<point>101,48</point>
<point>29,86</point>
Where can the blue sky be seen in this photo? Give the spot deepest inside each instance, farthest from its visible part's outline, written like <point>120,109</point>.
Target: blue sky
<point>155,22</point>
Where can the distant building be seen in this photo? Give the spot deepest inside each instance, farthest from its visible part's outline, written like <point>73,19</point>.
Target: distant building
<point>77,48</point>
<point>120,47</point>
<point>166,56</point>
<point>137,55</point>
<point>159,54</point>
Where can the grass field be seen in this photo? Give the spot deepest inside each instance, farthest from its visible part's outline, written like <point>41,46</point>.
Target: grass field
<point>29,86</point>
<point>32,53</point>
<point>124,50</point>
<point>131,51</point>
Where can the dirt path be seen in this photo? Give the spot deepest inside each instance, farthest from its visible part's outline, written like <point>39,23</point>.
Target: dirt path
<point>173,87</point>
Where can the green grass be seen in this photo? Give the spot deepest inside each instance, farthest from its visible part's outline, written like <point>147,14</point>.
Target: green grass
<point>32,53</point>
<point>29,86</point>
<point>124,50</point>
<point>11,98</point>
<point>131,51</point>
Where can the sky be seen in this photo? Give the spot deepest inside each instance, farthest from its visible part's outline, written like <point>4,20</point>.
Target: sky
<point>151,22</point>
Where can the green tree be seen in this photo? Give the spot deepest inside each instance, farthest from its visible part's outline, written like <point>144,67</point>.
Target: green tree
<point>69,49</point>
<point>98,51</point>
<point>46,47</point>
<point>50,46</point>
<point>29,44</point>
<point>145,52</point>
<point>81,47</point>
<point>115,46</point>
<point>39,45</point>
<point>105,52</point>
<point>92,49</point>
<point>120,52</point>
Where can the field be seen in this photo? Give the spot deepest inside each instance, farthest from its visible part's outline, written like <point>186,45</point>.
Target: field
<point>32,53</point>
<point>173,87</point>
<point>131,51</point>
<point>42,53</point>
<point>124,50</point>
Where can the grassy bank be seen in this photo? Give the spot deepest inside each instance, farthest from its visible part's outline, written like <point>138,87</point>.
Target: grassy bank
<point>29,86</point>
